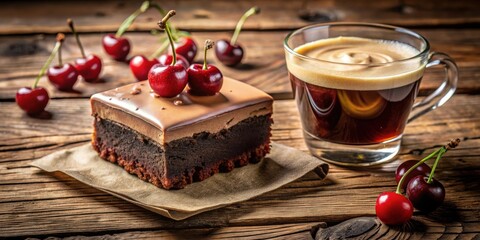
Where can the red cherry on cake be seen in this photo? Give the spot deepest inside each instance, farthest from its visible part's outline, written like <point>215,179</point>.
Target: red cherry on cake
<point>168,80</point>
<point>229,52</point>
<point>89,67</point>
<point>166,59</point>
<point>186,47</point>
<point>33,101</point>
<point>140,66</point>
<point>117,47</point>
<point>204,80</point>
<point>63,77</point>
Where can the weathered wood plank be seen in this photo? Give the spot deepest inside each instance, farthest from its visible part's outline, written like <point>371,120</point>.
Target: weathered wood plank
<point>372,228</point>
<point>284,231</point>
<point>21,58</point>
<point>93,16</point>
<point>37,203</point>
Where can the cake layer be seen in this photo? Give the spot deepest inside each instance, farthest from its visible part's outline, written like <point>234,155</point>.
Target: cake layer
<point>167,119</point>
<point>185,160</point>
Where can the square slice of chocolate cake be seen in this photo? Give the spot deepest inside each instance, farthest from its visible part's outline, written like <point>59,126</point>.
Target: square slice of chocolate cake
<point>171,142</point>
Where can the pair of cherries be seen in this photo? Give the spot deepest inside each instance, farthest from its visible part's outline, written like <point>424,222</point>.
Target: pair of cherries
<point>423,191</point>
<point>169,80</point>
<point>64,76</point>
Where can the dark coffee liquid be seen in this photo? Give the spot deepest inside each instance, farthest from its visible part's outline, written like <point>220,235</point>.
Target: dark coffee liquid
<point>353,116</point>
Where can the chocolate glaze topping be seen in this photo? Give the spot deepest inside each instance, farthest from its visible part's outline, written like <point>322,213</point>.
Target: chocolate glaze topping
<point>167,119</point>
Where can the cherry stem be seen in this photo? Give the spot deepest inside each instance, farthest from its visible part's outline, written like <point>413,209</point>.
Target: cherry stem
<point>70,24</point>
<point>163,13</point>
<point>60,63</point>
<point>161,49</point>
<point>452,144</point>
<point>162,24</point>
<point>130,19</point>
<point>439,156</point>
<point>60,38</point>
<point>238,28</point>
<point>208,45</point>
<point>440,152</point>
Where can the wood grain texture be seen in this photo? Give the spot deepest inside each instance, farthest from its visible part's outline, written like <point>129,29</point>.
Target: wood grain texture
<point>53,205</point>
<point>106,16</point>
<point>21,58</point>
<point>372,228</point>
<point>34,203</point>
<point>277,232</point>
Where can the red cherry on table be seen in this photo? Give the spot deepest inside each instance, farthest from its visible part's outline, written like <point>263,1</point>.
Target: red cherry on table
<point>32,101</point>
<point>423,169</point>
<point>63,77</point>
<point>186,47</point>
<point>228,54</point>
<point>117,48</point>
<point>166,59</point>
<point>168,81</point>
<point>393,208</point>
<point>204,82</point>
<point>425,196</point>
<point>140,66</point>
<point>89,68</point>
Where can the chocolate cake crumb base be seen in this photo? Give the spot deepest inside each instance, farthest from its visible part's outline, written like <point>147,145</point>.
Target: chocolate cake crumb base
<point>183,161</point>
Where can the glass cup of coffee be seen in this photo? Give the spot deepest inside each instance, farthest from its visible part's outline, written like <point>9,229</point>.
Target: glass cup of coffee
<point>355,86</point>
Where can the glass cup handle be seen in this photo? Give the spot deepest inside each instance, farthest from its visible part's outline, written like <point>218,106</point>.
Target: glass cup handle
<point>444,91</point>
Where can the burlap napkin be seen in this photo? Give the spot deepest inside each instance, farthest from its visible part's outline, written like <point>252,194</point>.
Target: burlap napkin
<point>281,166</point>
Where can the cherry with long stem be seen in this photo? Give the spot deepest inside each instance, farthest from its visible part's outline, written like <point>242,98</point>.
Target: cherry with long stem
<point>252,11</point>
<point>34,99</point>
<point>141,65</point>
<point>89,67</point>
<point>59,39</point>
<point>168,80</point>
<point>62,76</point>
<point>173,58</point>
<point>117,46</point>
<point>229,52</point>
<point>204,80</point>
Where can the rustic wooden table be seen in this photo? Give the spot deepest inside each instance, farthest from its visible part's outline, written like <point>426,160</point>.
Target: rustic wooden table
<point>38,204</point>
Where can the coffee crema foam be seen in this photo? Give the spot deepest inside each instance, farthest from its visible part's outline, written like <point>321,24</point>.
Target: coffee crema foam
<point>353,63</point>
